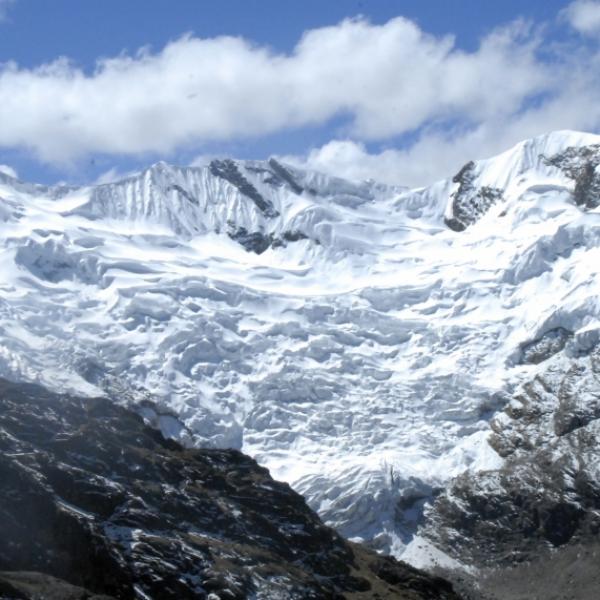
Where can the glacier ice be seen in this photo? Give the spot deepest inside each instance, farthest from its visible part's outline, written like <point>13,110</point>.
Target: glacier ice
<point>339,332</point>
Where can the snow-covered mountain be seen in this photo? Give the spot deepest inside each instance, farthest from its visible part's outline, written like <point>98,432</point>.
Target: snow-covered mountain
<point>356,339</point>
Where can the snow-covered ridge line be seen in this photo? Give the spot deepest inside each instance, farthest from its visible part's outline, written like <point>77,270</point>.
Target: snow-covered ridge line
<point>340,332</point>
<point>259,204</point>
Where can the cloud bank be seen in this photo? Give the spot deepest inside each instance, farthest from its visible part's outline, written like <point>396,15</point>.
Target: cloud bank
<point>584,16</point>
<point>381,81</point>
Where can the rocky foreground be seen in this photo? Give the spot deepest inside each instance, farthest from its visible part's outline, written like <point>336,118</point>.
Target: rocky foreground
<point>95,504</point>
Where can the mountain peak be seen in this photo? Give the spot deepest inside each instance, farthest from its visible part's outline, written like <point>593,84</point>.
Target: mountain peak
<point>558,157</point>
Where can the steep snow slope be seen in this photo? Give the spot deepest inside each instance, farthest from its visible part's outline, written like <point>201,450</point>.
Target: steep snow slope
<point>356,339</point>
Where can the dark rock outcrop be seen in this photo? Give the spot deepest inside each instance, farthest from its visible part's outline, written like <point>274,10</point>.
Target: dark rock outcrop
<point>182,192</point>
<point>470,202</point>
<point>547,345</point>
<point>258,242</point>
<point>228,170</point>
<point>284,175</point>
<point>252,241</point>
<point>93,501</point>
<point>580,164</point>
<point>275,174</point>
<point>546,496</point>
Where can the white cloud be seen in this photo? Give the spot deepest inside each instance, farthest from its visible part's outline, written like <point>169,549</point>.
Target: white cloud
<point>584,16</point>
<point>8,171</point>
<point>437,154</point>
<point>351,160</point>
<point>570,101</point>
<point>4,8</point>
<point>388,79</point>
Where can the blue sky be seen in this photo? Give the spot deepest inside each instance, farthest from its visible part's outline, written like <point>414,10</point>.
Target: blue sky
<point>78,121</point>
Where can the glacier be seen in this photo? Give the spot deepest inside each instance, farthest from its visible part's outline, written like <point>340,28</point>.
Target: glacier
<point>355,338</point>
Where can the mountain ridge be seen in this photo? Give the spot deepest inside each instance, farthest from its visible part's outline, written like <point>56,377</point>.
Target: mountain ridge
<point>329,319</point>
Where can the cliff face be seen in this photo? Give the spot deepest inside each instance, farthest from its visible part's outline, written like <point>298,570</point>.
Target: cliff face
<point>530,528</point>
<point>95,502</point>
<point>546,495</point>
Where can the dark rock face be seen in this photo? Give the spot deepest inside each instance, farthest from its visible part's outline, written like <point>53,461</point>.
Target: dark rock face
<point>470,202</point>
<point>571,160</point>
<point>290,236</point>
<point>182,192</point>
<point>284,175</point>
<point>580,164</point>
<point>252,241</point>
<point>547,345</point>
<point>228,170</point>
<point>93,501</point>
<point>587,187</point>
<point>255,241</point>
<point>277,175</point>
<point>258,241</point>
<point>547,494</point>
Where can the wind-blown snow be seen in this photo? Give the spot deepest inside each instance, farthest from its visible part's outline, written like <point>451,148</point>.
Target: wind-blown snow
<point>359,353</point>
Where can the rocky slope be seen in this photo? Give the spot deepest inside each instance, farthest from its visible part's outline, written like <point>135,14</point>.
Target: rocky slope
<point>95,504</point>
<point>535,521</point>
